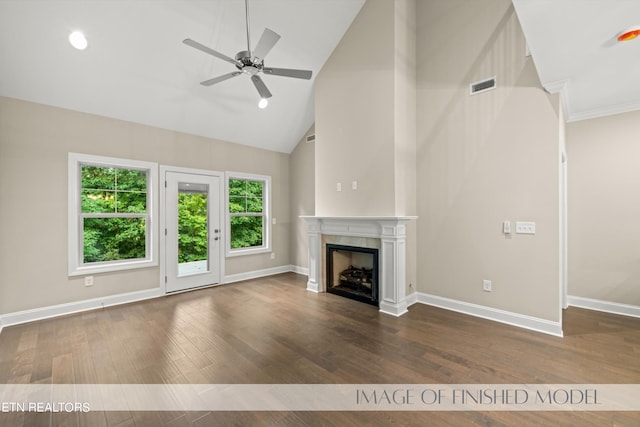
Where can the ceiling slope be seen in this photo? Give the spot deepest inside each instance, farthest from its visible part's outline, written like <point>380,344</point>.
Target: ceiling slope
<point>573,45</point>
<point>136,67</point>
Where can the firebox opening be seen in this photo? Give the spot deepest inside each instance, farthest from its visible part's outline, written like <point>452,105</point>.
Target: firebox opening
<point>352,272</point>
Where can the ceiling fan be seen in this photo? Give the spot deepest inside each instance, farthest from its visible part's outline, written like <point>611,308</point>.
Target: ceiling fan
<point>251,62</point>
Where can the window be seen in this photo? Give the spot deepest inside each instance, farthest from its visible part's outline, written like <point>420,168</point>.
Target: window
<point>248,214</point>
<point>111,214</point>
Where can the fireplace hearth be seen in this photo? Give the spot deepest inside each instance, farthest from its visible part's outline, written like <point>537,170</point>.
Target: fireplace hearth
<point>352,272</point>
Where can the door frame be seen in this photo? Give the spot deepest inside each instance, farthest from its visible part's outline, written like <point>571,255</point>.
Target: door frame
<point>563,214</point>
<point>564,236</point>
<point>163,220</point>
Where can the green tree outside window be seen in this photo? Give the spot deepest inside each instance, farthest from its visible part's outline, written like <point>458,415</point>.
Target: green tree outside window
<point>113,207</point>
<point>193,229</point>
<point>246,204</point>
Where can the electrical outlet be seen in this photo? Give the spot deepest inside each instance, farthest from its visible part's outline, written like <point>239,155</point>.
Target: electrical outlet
<point>486,285</point>
<point>88,280</point>
<point>354,185</point>
<point>273,255</point>
<point>273,221</point>
<point>339,186</point>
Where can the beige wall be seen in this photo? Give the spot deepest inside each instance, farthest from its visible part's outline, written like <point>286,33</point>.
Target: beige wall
<point>34,142</point>
<point>302,167</point>
<point>604,207</point>
<point>483,159</point>
<point>405,129</point>
<point>354,104</point>
<point>404,140</point>
<point>366,120</point>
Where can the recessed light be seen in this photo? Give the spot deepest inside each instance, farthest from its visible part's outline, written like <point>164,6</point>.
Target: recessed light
<point>263,103</point>
<point>78,40</point>
<point>629,35</point>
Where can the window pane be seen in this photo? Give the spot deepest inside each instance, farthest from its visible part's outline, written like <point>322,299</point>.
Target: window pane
<point>246,231</point>
<point>98,178</point>
<point>98,183</point>
<point>237,187</point>
<point>132,202</point>
<point>131,180</point>
<point>237,204</point>
<point>113,239</point>
<point>254,205</point>
<point>254,189</point>
<point>94,201</point>
<point>192,227</point>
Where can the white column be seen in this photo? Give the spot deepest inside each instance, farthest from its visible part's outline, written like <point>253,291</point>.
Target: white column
<point>314,229</point>
<point>393,298</point>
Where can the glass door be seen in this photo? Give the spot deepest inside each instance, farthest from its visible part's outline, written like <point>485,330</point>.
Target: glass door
<point>193,232</point>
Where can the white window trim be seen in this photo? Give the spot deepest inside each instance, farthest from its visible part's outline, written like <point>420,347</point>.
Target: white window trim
<point>266,238</point>
<point>75,243</point>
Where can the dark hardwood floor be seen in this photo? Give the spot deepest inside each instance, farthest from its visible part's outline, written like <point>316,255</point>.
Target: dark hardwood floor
<point>273,331</point>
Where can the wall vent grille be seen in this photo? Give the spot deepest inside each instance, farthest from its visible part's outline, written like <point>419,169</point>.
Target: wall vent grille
<point>311,138</point>
<point>482,86</point>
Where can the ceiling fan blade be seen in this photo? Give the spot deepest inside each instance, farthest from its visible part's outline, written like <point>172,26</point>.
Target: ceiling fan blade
<point>288,72</point>
<point>266,43</point>
<point>219,79</point>
<point>210,51</point>
<point>262,88</point>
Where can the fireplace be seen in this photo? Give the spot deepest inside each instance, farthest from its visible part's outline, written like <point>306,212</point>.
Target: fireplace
<point>352,272</point>
<point>391,240</point>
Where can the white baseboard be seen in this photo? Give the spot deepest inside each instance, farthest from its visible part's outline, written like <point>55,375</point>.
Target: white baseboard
<point>515,319</point>
<point>300,270</point>
<point>395,310</point>
<point>510,318</point>
<point>76,307</point>
<point>231,278</point>
<point>314,287</point>
<point>108,301</point>
<point>606,306</point>
<point>412,299</point>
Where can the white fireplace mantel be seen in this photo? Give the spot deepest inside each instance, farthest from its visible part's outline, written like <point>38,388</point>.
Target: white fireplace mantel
<point>392,233</point>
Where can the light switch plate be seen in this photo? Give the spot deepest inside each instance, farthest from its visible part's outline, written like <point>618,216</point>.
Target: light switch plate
<point>525,227</point>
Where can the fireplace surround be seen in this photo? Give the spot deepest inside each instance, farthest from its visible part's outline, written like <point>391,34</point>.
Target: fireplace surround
<point>391,236</point>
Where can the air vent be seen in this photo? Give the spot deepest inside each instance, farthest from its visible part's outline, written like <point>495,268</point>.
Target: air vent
<point>482,86</point>
<point>311,138</point>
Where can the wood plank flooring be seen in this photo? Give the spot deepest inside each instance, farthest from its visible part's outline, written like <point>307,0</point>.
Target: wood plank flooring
<point>272,330</point>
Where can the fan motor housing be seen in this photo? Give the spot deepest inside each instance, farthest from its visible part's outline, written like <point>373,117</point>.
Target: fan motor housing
<point>249,66</point>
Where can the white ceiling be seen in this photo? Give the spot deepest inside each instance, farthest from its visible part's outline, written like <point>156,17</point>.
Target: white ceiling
<point>136,67</point>
<point>574,48</point>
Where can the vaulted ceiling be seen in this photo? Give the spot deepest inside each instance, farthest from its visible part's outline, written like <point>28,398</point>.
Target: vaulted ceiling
<point>136,67</point>
<point>575,49</point>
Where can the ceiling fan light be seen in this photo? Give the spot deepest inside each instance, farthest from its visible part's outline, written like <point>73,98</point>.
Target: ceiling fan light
<point>629,35</point>
<point>263,103</point>
<point>78,40</point>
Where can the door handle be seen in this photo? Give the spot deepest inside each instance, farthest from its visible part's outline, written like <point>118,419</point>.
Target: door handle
<point>216,238</point>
